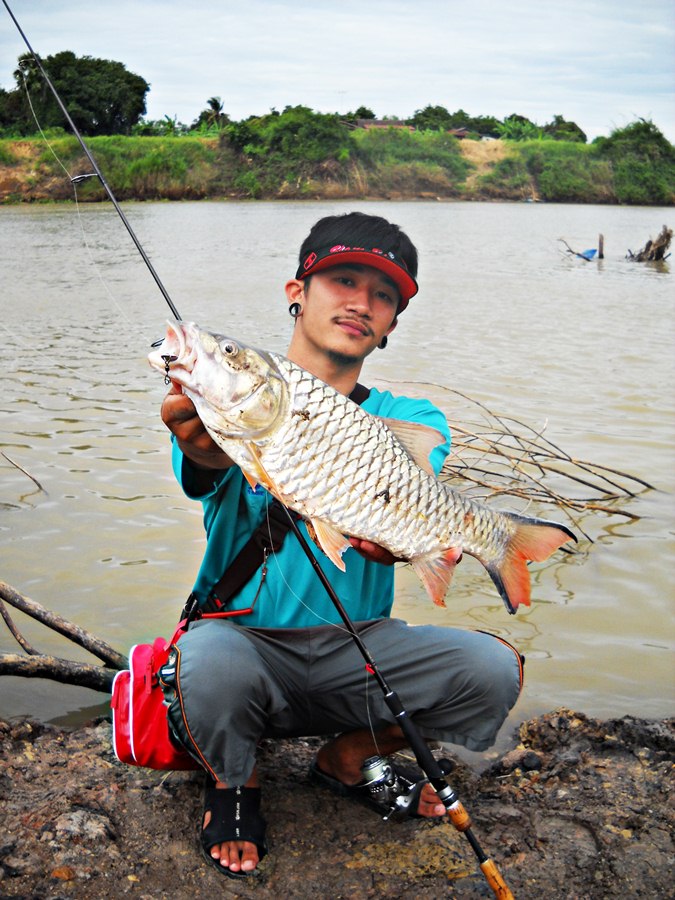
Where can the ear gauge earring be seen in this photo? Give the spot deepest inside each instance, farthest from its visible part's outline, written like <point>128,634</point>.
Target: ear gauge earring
<point>383,343</point>
<point>295,310</point>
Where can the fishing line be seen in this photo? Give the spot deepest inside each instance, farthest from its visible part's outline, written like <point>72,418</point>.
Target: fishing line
<point>97,172</point>
<point>321,618</point>
<point>282,575</point>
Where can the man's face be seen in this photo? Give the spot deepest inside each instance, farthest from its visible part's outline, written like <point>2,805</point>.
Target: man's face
<point>348,309</point>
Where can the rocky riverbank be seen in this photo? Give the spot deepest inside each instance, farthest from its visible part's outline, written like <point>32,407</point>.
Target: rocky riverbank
<point>579,808</point>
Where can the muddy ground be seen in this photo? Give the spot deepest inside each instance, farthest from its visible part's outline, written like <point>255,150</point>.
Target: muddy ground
<point>579,808</point>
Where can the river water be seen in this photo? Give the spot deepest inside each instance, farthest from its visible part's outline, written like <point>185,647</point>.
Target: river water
<point>504,315</point>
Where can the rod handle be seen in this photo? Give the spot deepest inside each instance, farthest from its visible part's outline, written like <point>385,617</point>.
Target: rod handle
<point>495,880</point>
<point>459,816</point>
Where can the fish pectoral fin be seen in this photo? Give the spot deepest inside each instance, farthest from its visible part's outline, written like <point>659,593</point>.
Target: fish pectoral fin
<point>435,571</point>
<point>331,541</point>
<point>252,480</point>
<point>418,440</point>
<point>259,474</point>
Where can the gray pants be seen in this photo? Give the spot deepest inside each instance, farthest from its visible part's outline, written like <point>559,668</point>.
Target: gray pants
<point>235,685</point>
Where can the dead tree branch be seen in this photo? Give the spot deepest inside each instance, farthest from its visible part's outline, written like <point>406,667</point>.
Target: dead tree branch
<point>16,634</point>
<point>63,670</point>
<point>74,633</point>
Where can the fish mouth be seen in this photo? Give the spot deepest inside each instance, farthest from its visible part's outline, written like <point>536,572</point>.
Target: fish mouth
<point>173,352</point>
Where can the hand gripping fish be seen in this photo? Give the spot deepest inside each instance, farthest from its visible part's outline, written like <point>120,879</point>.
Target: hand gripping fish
<point>346,471</point>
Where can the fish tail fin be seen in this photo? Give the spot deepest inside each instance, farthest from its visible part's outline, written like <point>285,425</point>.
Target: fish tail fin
<point>435,571</point>
<point>533,540</point>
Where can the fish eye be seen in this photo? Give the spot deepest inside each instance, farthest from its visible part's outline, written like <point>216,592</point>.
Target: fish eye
<point>229,348</point>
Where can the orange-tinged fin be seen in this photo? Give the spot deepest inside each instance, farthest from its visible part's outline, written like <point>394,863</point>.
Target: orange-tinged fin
<point>252,480</point>
<point>534,540</point>
<point>418,440</point>
<point>331,541</point>
<point>259,474</point>
<point>436,571</point>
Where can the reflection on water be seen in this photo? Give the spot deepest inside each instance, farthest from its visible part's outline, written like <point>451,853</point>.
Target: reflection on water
<point>503,315</point>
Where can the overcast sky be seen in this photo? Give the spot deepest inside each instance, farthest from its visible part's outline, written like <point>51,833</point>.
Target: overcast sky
<point>600,63</point>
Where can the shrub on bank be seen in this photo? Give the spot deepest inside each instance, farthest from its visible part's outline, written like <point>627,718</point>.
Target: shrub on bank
<point>135,167</point>
<point>508,180</point>
<point>567,172</point>
<point>411,161</point>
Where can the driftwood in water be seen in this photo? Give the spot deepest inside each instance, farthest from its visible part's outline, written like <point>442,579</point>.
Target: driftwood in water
<point>653,250</point>
<point>39,665</point>
<point>586,255</point>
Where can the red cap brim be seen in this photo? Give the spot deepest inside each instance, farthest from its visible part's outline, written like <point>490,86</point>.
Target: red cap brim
<point>386,262</point>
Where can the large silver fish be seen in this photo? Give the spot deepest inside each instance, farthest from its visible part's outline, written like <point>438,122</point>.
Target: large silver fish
<point>346,471</point>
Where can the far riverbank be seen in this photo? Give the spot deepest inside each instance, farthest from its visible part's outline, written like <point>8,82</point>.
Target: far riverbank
<point>396,166</point>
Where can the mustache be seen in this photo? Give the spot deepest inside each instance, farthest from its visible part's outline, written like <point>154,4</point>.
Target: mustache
<point>360,323</point>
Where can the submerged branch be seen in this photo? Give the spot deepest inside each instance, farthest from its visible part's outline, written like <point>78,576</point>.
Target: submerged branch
<point>501,455</point>
<point>73,632</point>
<point>21,469</point>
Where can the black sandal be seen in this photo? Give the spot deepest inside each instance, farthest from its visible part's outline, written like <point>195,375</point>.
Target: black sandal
<point>235,816</point>
<point>400,804</point>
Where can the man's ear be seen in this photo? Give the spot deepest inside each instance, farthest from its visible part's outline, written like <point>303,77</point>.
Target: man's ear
<point>392,326</point>
<point>295,290</point>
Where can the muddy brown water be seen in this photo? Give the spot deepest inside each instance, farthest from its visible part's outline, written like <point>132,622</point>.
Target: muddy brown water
<point>504,315</point>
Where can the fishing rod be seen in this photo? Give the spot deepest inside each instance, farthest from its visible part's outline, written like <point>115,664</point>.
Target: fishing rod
<point>97,172</point>
<point>431,767</point>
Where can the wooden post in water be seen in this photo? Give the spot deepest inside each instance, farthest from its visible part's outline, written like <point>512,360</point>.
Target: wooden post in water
<point>601,246</point>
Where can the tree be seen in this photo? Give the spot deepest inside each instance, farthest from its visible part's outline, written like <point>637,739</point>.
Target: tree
<point>487,125</point>
<point>562,130</point>
<point>643,163</point>
<point>213,117</point>
<point>641,139</point>
<point>519,128</point>
<point>11,112</point>
<point>101,96</point>
<point>431,118</point>
<point>361,112</point>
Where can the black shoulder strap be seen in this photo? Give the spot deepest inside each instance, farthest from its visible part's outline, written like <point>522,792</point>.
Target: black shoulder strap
<point>268,536</point>
<point>360,394</point>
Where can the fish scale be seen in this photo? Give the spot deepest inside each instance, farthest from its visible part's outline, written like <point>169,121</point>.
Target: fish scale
<point>361,459</point>
<point>346,471</point>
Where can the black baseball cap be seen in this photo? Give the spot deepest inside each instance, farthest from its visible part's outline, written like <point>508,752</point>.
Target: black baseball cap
<point>384,260</point>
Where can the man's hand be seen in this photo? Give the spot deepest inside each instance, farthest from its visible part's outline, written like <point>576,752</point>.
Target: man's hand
<point>373,552</point>
<point>180,417</point>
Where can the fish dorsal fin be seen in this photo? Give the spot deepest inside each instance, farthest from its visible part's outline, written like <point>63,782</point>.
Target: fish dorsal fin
<point>331,541</point>
<point>418,440</point>
<point>435,571</point>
